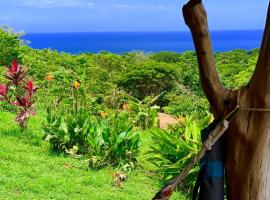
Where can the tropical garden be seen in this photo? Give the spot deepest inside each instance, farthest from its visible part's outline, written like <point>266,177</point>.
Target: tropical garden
<point>87,126</point>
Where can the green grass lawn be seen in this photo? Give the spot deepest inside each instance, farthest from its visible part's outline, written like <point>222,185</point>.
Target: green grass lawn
<point>29,170</point>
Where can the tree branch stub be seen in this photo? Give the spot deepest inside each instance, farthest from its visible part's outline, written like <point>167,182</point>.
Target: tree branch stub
<point>196,19</point>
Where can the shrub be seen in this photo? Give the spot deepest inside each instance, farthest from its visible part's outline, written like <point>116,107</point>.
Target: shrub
<point>145,112</point>
<point>10,45</point>
<point>167,57</point>
<point>105,139</point>
<point>173,149</point>
<point>148,78</point>
<point>68,132</point>
<point>115,142</point>
<point>19,92</point>
<point>109,141</point>
<point>183,102</point>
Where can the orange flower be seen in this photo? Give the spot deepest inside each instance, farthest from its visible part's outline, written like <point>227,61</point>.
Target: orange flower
<point>76,84</point>
<point>49,77</point>
<point>103,114</point>
<point>126,107</point>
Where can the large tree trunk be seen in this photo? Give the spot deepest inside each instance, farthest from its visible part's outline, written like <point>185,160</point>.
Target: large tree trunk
<point>248,138</point>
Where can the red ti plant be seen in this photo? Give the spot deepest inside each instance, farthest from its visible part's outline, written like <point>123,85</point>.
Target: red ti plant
<point>19,92</point>
<point>16,73</point>
<point>3,92</point>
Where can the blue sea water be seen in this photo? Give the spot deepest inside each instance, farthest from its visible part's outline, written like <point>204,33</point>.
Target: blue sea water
<point>120,42</point>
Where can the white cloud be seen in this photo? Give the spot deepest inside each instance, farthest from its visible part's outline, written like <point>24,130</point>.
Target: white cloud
<point>53,3</point>
<point>152,7</point>
<point>123,6</point>
<point>91,4</point>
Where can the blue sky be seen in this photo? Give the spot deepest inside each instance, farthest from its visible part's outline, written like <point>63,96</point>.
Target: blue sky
<point>125,15</point>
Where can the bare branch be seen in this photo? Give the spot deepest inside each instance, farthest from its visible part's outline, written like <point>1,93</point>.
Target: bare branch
<point>196,19</point>
<point>262,71</point>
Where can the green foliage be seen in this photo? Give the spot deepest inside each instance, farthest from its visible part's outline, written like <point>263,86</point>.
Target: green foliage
<point>242,77</point>
<point>115,142</point>
<point>77,130</point>
<point>111,80</point>
<point>68,133</point>
<point>167,57</point>
<point>236,67</point>
<point>184,102</point>
<point>145,112</point>
<point>10,45</point>
<point>189,73</point>
<point>117,98</point>
<point>110,62</point>
<point>110,141</point>
<point>173,149</point>
<point>149,78</point>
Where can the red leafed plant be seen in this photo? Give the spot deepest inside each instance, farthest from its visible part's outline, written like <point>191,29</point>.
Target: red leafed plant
<point>19,92</point>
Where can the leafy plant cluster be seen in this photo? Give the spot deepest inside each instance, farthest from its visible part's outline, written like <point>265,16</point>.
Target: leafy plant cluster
<point>174,148</point>
<point>107,141</point>
<point>10,46</point>
<point>105,138</point>
<point>19,92</point>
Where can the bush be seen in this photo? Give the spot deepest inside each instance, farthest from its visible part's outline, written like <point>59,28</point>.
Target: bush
<point>145,113</point>
<point>109,141</point>
<point>173,149</point>
<point>184,102</point>
<point>106,140</point>
<point>10,45</point>
<point>19,93</point>
<point>69,132</point>
<point>115,143</point>
<point>167,57</point>
<point>149,78</point>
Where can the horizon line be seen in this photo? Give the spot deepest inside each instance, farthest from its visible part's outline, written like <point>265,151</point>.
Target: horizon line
<point>155,31</point>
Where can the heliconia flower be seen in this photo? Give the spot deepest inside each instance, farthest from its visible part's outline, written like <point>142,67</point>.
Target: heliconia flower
<point>30,88</point>
<point>3,91</point>
<point>76,84</point>
<point>49,77</point>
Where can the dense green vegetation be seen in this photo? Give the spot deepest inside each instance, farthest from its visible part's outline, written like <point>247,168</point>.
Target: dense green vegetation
<point>98,114</point>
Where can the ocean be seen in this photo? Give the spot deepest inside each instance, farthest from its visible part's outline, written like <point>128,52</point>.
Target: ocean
<point>121,42</point>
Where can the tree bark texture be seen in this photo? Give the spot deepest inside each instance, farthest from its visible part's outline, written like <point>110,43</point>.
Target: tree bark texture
<point>248,137</point>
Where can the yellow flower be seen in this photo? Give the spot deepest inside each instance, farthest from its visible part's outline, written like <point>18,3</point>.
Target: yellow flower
<point>181,119</point>
<point>49,77</point>
<point>135,128</point>
<point>76,85</point>
<point>103,114</point>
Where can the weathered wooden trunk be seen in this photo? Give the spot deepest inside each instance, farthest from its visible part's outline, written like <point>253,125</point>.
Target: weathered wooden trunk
<point>248,138</point>
<point>248,151</point>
